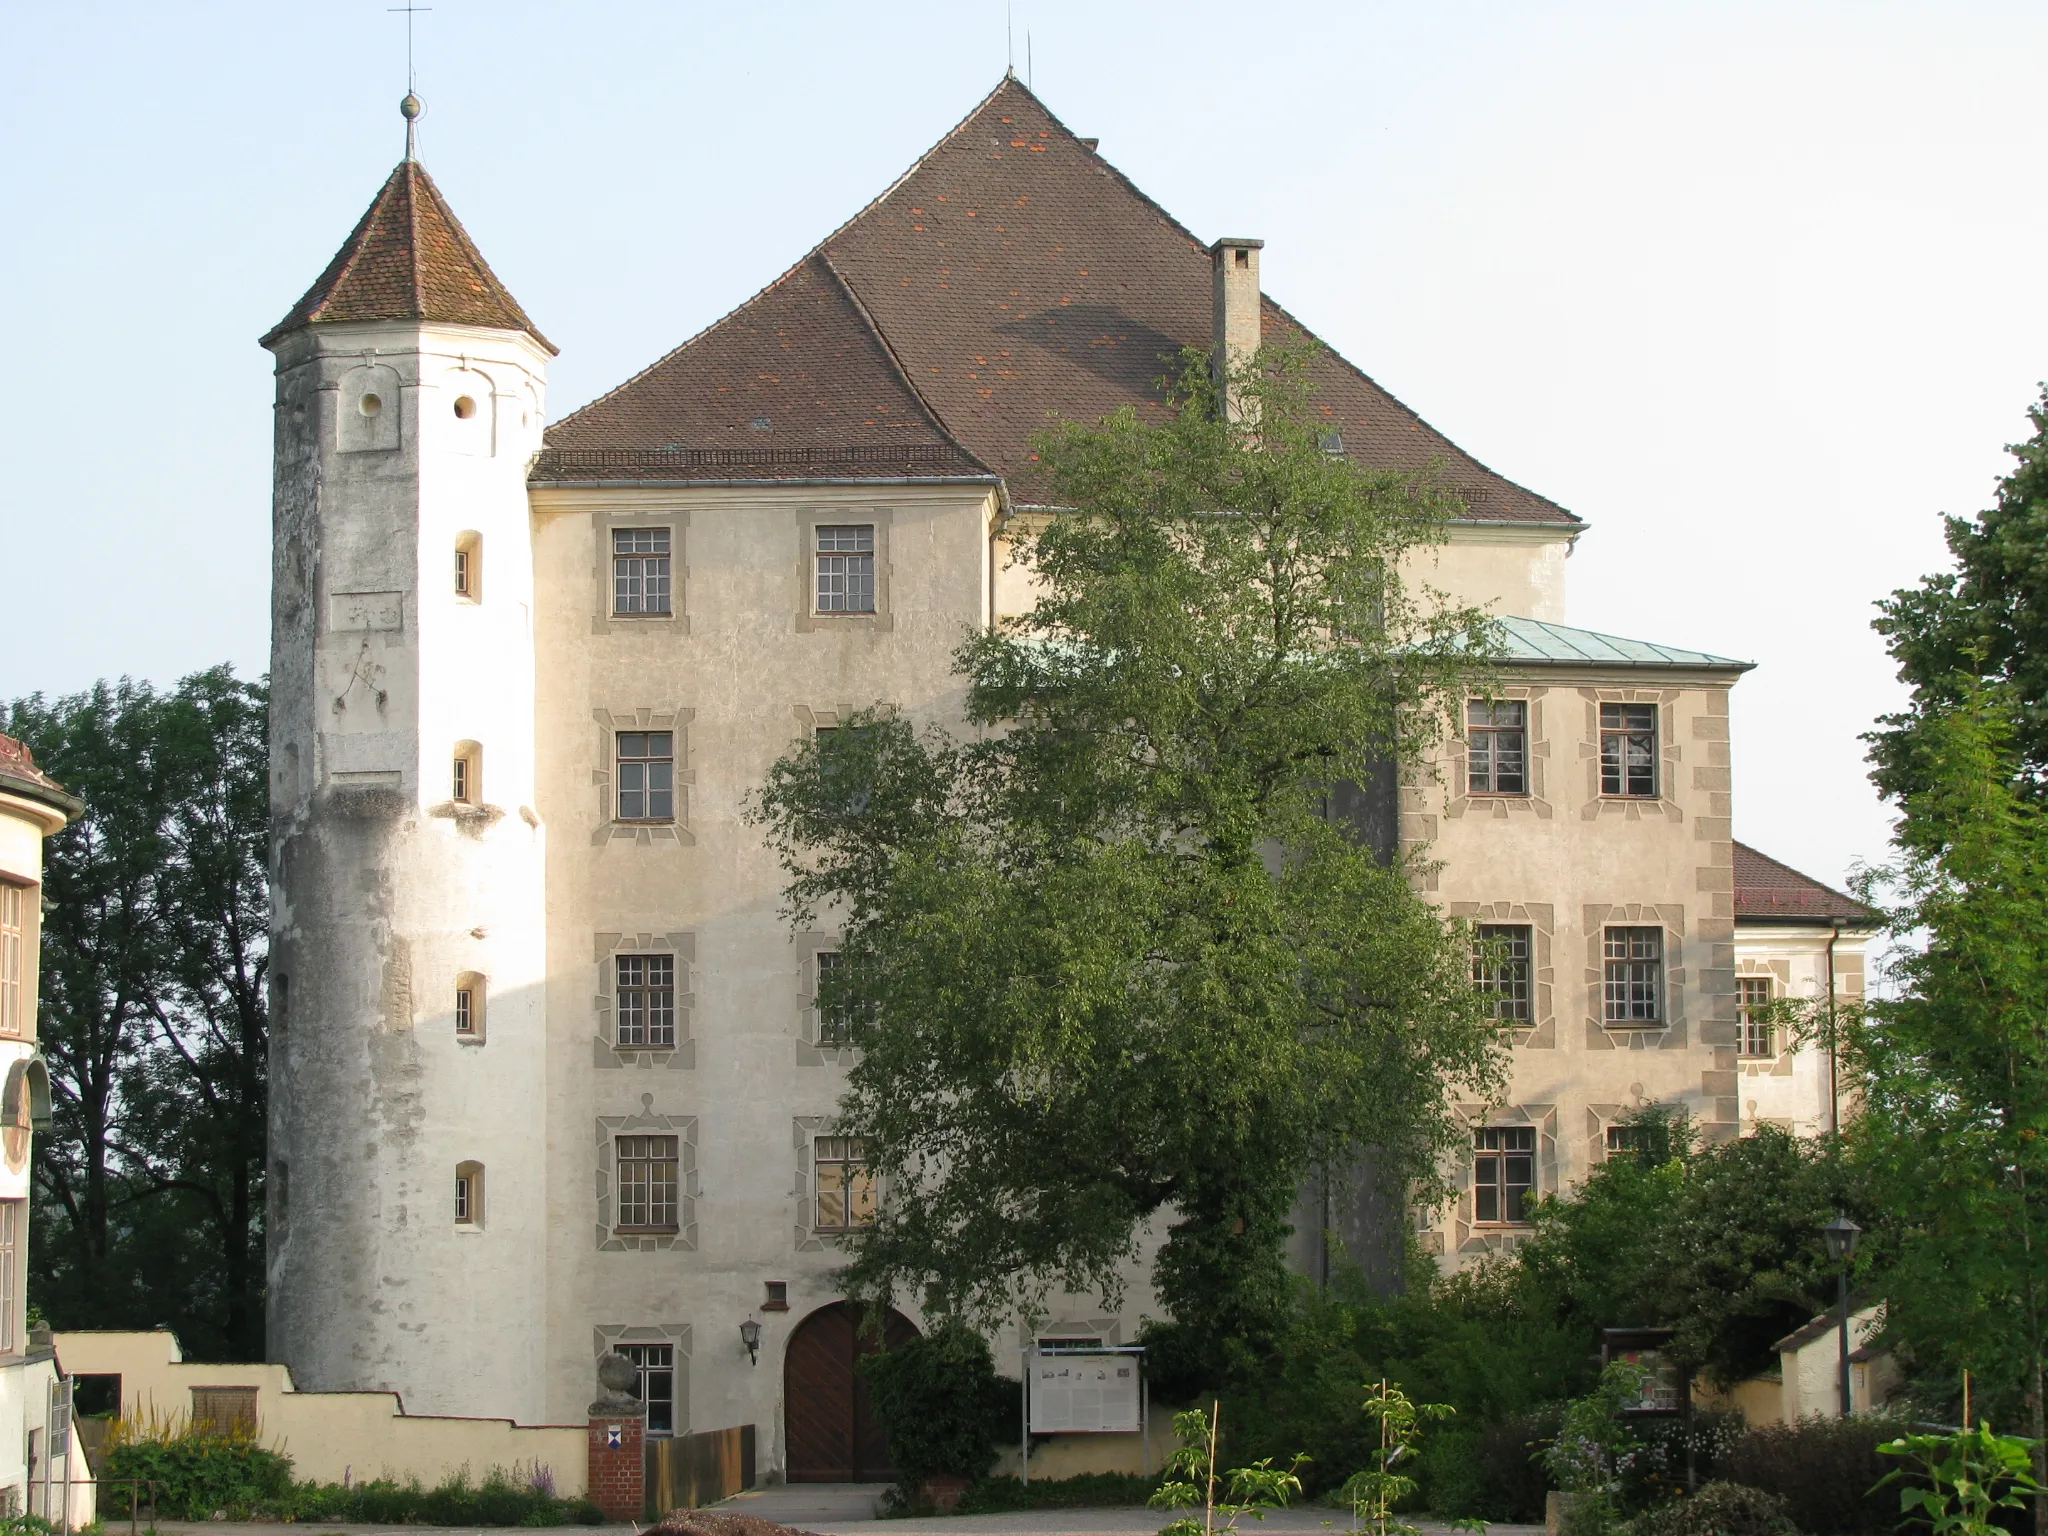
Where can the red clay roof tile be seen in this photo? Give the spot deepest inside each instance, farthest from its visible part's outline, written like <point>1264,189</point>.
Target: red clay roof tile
<point>1767,891</point>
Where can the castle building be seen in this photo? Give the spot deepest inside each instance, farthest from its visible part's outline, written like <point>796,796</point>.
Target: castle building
<point>548,1077</point>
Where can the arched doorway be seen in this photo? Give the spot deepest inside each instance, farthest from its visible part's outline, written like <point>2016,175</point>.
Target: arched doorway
<point>829,1430</point>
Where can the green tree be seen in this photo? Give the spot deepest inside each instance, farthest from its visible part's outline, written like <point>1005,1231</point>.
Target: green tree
<point>1125,952</point>
<point>1953,1070</point>
<point>149,1188</point>
<point>1984,622</point>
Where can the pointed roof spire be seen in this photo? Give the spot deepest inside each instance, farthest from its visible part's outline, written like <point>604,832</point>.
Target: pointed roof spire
<point>409,258</point>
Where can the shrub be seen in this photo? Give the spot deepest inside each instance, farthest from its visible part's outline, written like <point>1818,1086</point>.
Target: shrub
<point>196,1471</point>
<point>1657,1469</point>
<point>1496,1474</point>
<point>941,1404</point>
<point>1717,1509</point>
<point>1823,1469</point>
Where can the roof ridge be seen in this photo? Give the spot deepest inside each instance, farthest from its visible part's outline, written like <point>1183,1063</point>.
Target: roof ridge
<point>867,318</point>
<point>412,231</point>
<point>1472,458</point>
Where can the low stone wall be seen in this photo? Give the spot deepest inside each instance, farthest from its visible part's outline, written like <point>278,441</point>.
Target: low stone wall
<point>330,1436</point>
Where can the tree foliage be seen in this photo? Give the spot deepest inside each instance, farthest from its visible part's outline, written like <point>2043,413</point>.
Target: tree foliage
<point>1112,957</point>
<point>1986,622</point>
<point>148,1190</point>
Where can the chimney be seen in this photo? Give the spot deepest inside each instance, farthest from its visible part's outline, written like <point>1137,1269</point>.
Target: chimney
<point>1234,277</point>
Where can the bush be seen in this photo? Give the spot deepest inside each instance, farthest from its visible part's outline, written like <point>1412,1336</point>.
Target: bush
<point>196,1472</point>
<point>1493,1473</point>
<point>1657,1469</point>
<point>941,1404</point>
<point>1823,1469</point>
<point>1717,1509</point>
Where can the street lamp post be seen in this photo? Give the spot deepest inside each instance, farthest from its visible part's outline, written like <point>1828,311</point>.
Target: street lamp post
<point>1841,1235</point>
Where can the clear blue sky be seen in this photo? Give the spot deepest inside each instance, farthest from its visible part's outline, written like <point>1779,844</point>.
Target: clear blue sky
<point>1756,289</point>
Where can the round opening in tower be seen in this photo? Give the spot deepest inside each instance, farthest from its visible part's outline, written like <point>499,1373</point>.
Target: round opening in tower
<point>464,407</point>
<point>370,405</point>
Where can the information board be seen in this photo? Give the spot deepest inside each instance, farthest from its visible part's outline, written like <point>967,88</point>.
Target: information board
<point>1078,1392</point>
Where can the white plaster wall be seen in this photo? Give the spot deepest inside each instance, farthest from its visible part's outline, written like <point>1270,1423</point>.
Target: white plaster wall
<point>1510,570</point>
<point>383,892</point>
<point>1791,1089</point>
<point>1568,862</point>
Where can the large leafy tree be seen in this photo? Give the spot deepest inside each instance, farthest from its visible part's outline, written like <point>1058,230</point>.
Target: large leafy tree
<point>149,1188</point>
<point>1985,622</point>
<point>1953,1069</point>
<point>1122,955</point>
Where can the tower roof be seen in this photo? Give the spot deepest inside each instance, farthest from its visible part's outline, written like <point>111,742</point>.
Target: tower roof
<point>409,258</point>
<point>1010,277</point>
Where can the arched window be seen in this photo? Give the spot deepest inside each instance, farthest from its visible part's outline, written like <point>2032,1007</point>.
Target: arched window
<point>466,774</point>
<point>469,1196</point>
<point>469,1007</point>
<point>469,567</point>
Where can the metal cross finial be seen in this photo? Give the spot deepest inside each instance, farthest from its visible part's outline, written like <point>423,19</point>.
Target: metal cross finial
<point>411,107</point>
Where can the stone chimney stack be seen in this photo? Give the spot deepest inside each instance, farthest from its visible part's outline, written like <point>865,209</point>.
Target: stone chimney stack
<point>1234,279</point>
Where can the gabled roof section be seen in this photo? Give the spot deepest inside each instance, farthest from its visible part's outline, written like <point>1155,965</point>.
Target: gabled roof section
<point>409,258</point>
<point>1769,892</point>
<point>796,384</point>
<point>1533,642</point>
<point>1015,278</point>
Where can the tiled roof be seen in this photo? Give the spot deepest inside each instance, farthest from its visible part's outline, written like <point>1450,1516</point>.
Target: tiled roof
<point>1531,641</point>
<point>1012,277</point>
<point>1767,891</point>
<point>409,258</point>
<point>19,775</point>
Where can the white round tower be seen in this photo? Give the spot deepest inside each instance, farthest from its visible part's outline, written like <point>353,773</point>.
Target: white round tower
<point>407,1072</point>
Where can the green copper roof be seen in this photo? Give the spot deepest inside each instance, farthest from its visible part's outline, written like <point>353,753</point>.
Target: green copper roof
<point>1532,640</point>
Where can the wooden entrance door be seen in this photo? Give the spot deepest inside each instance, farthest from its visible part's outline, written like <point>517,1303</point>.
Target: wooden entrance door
<point>828,1425</point>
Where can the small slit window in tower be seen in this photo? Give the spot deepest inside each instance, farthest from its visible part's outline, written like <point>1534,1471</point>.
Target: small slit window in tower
<point>469,1196</point>
<point>469,567</point>
<point>466,774</point>
<point>469,1007</point>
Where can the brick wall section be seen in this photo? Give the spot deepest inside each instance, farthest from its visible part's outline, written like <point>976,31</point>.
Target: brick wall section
<point>618,1474</point>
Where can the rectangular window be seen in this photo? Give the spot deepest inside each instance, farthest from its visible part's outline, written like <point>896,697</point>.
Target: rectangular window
<point>1628,750</point>
<point>647,1177</point>
<point>647,776</point>
<point>656,1364</point>
<point>846,569</point>
<point>846,1189</point>
<point>465,1011</point>
<point>1758,1038</point>
<point>835,1020</point>
<point>1634,976</point>
<point>1500,968</point>
<point>1503,1173</point>
<point>14,900</point>
<point>465,1198</point>
<point>1498,739</point>
<point>459,781</point>
<point>647,999</point>
<point>462,573</point>
<point>640,576</point>
<point>10,1275</point>
<point>1624,1138</point>
<point>224,1410</point>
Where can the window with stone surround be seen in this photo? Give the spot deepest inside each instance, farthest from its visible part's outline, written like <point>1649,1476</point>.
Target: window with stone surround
<point>845,568</point>
<point>846,1187</point>
<point>645,999</point>
<point>647,775</point>
<point>640,572</point>
<point>1497,747</point>
<point>647,1170</point>
<point>1632,985</point>
<point>1503,1174</point>
<point>1500,968</point>
<point>1628,750</point>
<point>656,1364</point>
<point>1756,1035</point>
<point>835,1012</point>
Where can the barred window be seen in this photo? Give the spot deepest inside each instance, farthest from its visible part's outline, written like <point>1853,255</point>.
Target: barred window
<point>656,1364</point>
<point>647,775</point>
<point>1500,968</point>
<point>1628,750</point>
<point>835,1018</point>
<point>646,999</point>
<point>1634,975</point>
<point>647,1178</point>
<point>1503,1173</point>
<point>1757,1036</point>
<point>846,1189</point>
<point>846,569</point>
<point>640,574</point>
<point>1497,737</point>
<point>13,958</point>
